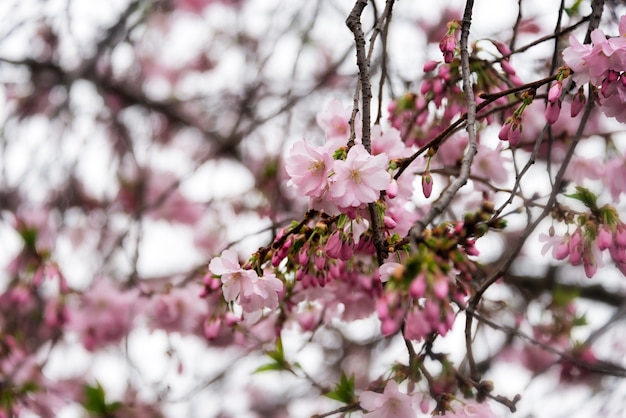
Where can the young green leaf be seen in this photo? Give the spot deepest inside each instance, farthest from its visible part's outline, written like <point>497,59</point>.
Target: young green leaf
<point>344,390</point>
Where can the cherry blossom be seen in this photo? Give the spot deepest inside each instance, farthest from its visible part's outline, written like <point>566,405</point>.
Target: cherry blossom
<point>245,286</point>
<point>105,315</point>
<point>335,121</point>
<point>390,403</point>
<point>471,410</point>
<point>360,178</point>
<point>309,168</point>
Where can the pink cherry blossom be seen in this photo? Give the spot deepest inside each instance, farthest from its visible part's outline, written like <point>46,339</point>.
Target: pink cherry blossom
<point>178,310</point>
<point>417,327</point>
<point>489,164</point>
<point>360,178</point>
<point>233,277</point>
<point>559,245</point>
<point>613,177</point>
<point>335,121</point>
<point>602,63</point>
<point>390,403</point>
<point>588,63</point>
<point>387,269</point>
<point>253,292</point>
<point>105,315</point>
<point>262,294</point>
<point>389,143</point>
<point>582,168</point>
<point>471,409</point>
<point>309,168</point>
<point>613,99</point>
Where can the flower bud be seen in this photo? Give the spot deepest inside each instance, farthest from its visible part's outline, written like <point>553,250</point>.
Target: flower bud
<point>427,184</point>
<point>502,48</point>
<point>515,134</point>
<point>555,92</point>
<point>578,103</point>
<point>507,67</point>
<point>552,112</point>
<point>430,66</point>
<point>392,189</point>
<point>503,135</point>
<point>447,47</point>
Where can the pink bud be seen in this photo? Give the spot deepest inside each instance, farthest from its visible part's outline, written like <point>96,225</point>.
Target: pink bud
<point>431,309</point>
<point>382,309</point>
<point>552,112</point>
<point>555,92</point>
<point>389,327</point>
<point>515,134</point>
<point>418,287</point>
<point>577,104</point>
<point>438,87</point>
<point>347,250</point>
<point>307,321</point>
<point>392,189</point>
<point>389,222</point>
<point>515,80</point>
<point>440,287</point>
<point>303,257</point>
<point>507,67</point>
<point>620,235</point>
<point>605,238</point>
<point>276,258</point>
<point>231,319</point>
<point>427,184</point>
<point>333,246</point>
<point>502,48</point>
<point>575,248</point>
<point>562,251</point>
<point>426,87</point>
<point>320,261</point>
<point>447,47</point>
<point>590,266</point>
<point>503,135</point>
<point>430,66</point>
<point>471,249</point>
<point>212,328</point>
<point>334,270</point>
<point>612,76</point>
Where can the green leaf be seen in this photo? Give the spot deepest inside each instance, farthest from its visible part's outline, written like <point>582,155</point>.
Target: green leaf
<point>268,367</point>
<point>574,9</point>
<point>580,321</point>
<point>585,196</point>
<point>279,361</point>
<point>95,401</point>
<point>562,296</point>
<point>344,390</point>
<point>29,235</point>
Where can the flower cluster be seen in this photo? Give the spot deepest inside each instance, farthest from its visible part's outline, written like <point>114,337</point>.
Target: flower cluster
<point>596,232</point>
<point>105,315</point>
<point>252,292</point>
<point>419,291</point>
<point>602,64</point>
<point>335,185</point>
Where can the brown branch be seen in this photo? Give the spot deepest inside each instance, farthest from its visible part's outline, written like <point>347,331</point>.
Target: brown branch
<point>354,24</point>
<point>470,121</point>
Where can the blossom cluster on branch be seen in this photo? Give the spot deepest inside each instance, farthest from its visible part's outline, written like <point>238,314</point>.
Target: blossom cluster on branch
<point>395,238</point>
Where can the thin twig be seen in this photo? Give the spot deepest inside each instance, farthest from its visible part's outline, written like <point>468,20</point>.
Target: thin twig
<point>470,126</point>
